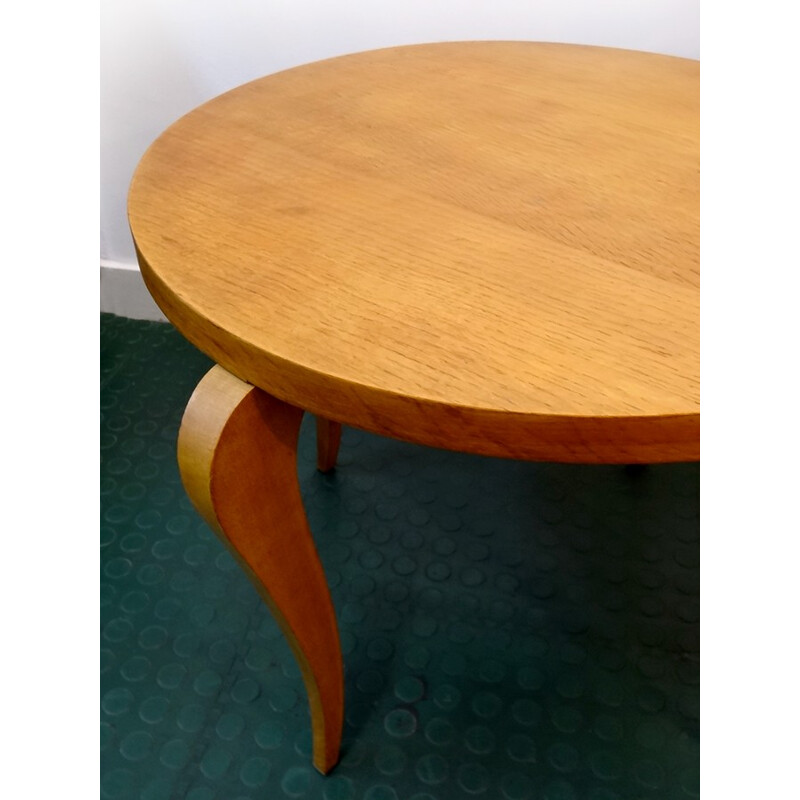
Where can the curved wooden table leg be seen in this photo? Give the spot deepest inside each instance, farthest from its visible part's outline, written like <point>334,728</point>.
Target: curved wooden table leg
<point>237,452</point>
<point>329,435</point>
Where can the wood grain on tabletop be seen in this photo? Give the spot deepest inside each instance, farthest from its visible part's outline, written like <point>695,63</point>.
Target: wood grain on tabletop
<point>491,247</point>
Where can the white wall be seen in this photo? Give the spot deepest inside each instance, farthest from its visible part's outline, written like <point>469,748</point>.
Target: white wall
<point>161,58</point>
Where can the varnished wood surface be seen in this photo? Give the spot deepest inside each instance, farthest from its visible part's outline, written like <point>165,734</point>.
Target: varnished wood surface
<point>490,247</point>
<point>237,452</point>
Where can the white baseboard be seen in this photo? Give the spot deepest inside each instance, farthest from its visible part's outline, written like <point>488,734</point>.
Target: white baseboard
<point>122,292</point>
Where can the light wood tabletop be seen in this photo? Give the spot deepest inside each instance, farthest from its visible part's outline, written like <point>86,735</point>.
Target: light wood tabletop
<point>488,246</point>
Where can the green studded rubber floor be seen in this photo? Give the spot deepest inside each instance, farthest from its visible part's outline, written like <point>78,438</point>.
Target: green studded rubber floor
<point>511,630</point>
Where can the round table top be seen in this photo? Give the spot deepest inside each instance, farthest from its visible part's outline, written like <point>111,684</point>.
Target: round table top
<point>484,246</point>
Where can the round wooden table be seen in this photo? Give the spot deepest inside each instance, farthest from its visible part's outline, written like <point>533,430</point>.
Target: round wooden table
<point>490,246</point>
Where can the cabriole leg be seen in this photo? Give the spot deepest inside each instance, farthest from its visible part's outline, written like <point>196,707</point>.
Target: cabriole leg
<point>237,452</point>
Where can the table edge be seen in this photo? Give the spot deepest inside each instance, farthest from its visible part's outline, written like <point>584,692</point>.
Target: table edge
<point>491,432</point>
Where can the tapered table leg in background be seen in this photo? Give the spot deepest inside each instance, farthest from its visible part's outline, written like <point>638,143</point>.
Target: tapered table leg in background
<point>237,452</point>
<point>329,435</point>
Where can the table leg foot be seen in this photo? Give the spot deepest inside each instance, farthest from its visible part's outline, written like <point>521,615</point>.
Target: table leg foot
<point>329,435</point>
<point>237,452</point>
